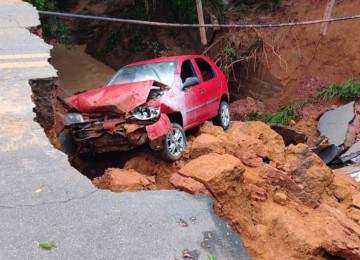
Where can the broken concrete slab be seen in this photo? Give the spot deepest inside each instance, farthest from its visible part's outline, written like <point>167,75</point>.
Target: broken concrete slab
<point>354,151</point>
<point>329,153</point>
<point>334,124</point>
<point>290,134</point>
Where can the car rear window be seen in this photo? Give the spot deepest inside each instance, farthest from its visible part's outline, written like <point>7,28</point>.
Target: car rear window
<point>162,72</point>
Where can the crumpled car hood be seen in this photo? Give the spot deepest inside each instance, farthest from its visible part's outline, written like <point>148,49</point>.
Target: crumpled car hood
<point>119,98</point>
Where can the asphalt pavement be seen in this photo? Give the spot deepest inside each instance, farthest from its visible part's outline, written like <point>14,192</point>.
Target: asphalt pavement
<point>42,198</point>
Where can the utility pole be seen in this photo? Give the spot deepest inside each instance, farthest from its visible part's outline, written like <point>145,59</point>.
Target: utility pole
<point>327,15</point>
<point>201,21</point>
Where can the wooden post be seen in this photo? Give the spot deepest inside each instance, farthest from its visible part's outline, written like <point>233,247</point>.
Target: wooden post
<point>201,22</point>
<point>327,15</point>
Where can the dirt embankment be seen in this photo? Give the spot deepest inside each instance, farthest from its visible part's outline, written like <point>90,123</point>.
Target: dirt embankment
<point>283,201</point>
<point>301,58</point>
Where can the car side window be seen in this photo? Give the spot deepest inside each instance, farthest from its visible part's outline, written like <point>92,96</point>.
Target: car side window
<point>207,72</point>
<point>187,70</point>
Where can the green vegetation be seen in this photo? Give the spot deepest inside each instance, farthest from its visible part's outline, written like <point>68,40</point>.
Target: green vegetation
<point>283,115</point>
<point>47,245</point>
<point>57,29</point>
<point>257,4</point>
<point>288,112</point>
<point>185,10</point>
<point>347,90</point>
<point>39,4</point>
<point>211,257</point>
<point>239,8</point>
<point>53,27</point>
<point>253,116</point>
<point>228,55</point>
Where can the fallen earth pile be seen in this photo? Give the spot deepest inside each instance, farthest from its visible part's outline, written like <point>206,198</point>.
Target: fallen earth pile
<point>282,200</point>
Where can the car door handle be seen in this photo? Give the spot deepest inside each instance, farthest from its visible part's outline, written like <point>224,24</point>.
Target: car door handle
<point>201,91</point>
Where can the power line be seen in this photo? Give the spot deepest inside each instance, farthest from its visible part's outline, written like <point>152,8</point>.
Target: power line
<point>161,24</point>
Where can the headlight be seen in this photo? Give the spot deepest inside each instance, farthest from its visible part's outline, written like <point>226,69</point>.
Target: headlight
<point>146,113</point>
<point>73,118</point>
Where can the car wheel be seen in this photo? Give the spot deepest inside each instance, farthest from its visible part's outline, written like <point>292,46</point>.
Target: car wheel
<point>174,143</point>
<point>223,117</point>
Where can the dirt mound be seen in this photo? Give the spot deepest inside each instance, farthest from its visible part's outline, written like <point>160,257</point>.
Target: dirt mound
<point>266,191</point>
<point>122,180</point>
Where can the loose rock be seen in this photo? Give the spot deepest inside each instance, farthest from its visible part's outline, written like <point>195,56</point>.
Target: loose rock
<point>280,198</point>
<point>188,184</point>
<point>216,172</point>
<point>118,180</point>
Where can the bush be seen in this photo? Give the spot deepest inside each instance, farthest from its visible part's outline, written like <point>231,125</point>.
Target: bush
<point>347,90</point>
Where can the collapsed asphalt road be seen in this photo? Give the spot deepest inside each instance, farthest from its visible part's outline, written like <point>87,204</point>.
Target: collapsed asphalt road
<point>44,199</point>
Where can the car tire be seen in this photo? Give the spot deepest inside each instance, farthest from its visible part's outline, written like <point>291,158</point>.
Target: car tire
<point>223,117</point>
<point>174,143</point>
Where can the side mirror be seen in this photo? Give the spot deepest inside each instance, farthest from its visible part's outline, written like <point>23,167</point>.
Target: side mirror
<point>189,82</point>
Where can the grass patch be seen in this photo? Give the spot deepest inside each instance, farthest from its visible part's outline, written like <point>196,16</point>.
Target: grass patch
<point>211,257</point>
<point>47,245</point>
<point>347,90</point>
<point>283,115</point>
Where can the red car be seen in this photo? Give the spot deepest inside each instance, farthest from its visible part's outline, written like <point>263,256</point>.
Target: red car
<point>152,101</point>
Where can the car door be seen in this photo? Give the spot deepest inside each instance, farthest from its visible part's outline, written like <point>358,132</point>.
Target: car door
<point>210,85</point>
<point>194,105</point>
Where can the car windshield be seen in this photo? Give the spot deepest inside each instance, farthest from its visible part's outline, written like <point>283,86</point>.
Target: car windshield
<point>162,72</point>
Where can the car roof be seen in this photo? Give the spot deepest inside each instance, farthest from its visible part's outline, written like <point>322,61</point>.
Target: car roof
<point>164,59</point>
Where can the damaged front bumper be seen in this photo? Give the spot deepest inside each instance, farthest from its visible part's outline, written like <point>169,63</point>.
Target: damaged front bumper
<point>119,134</point>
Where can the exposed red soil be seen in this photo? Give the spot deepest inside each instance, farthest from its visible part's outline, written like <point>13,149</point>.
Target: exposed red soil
<point>328,59</point>
<point>310,87</point>
<point>242,107</point>
<point>266,191</point>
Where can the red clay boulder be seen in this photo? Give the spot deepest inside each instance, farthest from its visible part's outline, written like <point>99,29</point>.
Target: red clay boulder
<point>307,169</point>
<point>188,184</point>
<point>218,173</point>
<point>118,180</point>
<point>206,143</point>
<point>260,139</point>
